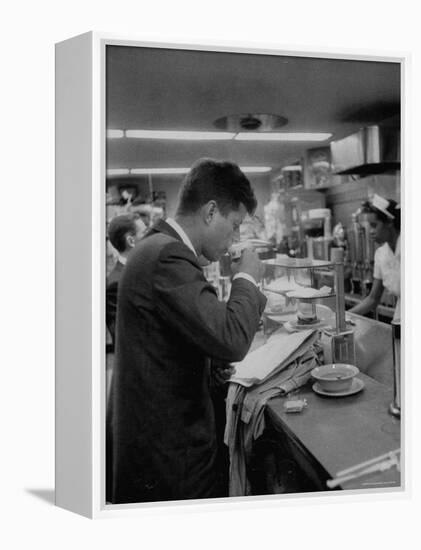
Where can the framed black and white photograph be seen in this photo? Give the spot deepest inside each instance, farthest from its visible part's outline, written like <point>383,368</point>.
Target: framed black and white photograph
<point>234,278</point>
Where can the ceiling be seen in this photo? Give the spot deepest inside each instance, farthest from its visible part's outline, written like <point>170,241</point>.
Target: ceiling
<point>168,89</point>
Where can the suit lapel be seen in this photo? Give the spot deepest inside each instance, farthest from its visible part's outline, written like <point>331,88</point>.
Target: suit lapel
<point>119,266</point>
<point>162,226</point>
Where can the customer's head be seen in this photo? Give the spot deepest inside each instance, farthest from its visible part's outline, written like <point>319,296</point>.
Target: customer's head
<point>385,218</point>
<point>218,196</point>
<point>124,231</point>
<point>142,211</point>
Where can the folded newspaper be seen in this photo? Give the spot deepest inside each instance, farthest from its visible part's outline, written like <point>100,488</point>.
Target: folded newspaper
<point>272,357</point>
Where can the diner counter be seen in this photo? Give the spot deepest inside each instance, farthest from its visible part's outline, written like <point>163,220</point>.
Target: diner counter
<point>332,434</point>
<point>373,348</point>
<point>335,433</point>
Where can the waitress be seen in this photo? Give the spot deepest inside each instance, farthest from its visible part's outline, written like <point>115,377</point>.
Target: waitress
<point>385,221</point>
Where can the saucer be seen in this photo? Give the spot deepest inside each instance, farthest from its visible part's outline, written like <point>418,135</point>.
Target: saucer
<point>295,325</point>
<point>357,385</point>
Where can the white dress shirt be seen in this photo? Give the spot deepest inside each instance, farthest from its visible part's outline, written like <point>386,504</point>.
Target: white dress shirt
<point>387,268</point>
<point>180,231</point>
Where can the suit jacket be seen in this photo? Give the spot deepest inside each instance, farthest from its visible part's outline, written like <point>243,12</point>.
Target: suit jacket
<point>113,280</point>
<point>169,322</point>
<point>111,297</point>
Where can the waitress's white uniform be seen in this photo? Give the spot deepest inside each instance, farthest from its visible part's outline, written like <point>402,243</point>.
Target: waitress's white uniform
<point>387,267</point>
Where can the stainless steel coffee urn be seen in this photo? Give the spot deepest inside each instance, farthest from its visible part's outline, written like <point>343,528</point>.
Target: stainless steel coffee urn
<point>395,406</point>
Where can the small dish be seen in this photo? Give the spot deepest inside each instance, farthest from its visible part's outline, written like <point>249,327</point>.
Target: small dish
<point>356,386</point>
<point>335,377</point>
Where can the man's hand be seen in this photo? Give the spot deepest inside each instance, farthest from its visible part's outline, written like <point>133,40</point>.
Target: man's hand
<point>249,263</point>
<point>222,372</point>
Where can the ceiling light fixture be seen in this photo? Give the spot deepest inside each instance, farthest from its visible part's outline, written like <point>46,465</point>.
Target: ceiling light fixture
<point>118,172</point>
<point>163,171</point>
<point>144,171</point>
<point>180,135</point>
<point>115,133</point>
<point>292,168</point>
<point>219,136</point>
<point>257,122</point>
<point>255,169</point>
<point>281,136</point>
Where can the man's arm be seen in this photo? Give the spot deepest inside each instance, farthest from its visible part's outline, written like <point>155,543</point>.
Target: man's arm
<point>190,305</point>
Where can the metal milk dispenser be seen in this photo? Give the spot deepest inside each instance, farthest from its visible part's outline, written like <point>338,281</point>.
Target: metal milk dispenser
<point>342,339</point>
<point>343,347</point>
<point>395,406</point>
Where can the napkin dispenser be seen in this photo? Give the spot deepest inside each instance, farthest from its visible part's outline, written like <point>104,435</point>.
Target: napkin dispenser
<point>339,347</point>
<point>341,343</point>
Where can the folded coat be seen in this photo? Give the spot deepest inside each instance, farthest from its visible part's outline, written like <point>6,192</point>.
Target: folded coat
<point>245,408</point>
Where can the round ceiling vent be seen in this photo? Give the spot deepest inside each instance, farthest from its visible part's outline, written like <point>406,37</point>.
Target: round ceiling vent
<point>250,122</point>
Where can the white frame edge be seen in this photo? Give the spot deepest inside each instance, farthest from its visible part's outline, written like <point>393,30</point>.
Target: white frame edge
<point>74,315</point>
<point>80,276</point>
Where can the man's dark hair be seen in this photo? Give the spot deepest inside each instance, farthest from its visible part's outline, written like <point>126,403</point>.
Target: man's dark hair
<point>118,228</point>
<point>392,208</point>
<point>221,181</point>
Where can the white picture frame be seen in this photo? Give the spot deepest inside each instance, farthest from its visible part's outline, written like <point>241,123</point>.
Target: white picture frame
<point>80,261</point>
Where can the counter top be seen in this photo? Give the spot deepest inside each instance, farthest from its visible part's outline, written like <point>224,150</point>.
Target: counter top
<point>373,348</point>
<point>333,433</point>
<point>336,433</point>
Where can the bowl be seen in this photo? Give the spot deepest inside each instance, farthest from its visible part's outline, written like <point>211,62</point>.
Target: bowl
<point>336,377</point>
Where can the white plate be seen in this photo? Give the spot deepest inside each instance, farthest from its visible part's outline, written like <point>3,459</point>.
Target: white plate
<point>357,385</point>
<point>282,317</point>
<point>311,294</point>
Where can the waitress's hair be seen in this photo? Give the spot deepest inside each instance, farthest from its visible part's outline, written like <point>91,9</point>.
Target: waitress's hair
<point>221,181</point>
<point>392,208</point>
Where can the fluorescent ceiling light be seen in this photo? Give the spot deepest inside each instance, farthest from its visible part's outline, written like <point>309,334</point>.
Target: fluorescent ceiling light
<point>292,168</point>
<point>281,136</point>
<point>218,136</point>
<point>115,133</point>
<point>139,171</point>
<point>175,134</point>
<point>118,172</point>
<point>255,169</point>
<point>163,171</point>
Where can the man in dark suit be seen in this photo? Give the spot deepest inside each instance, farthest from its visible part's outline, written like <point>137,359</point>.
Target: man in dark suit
<point>123,231</point>
<point>169,323</point>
